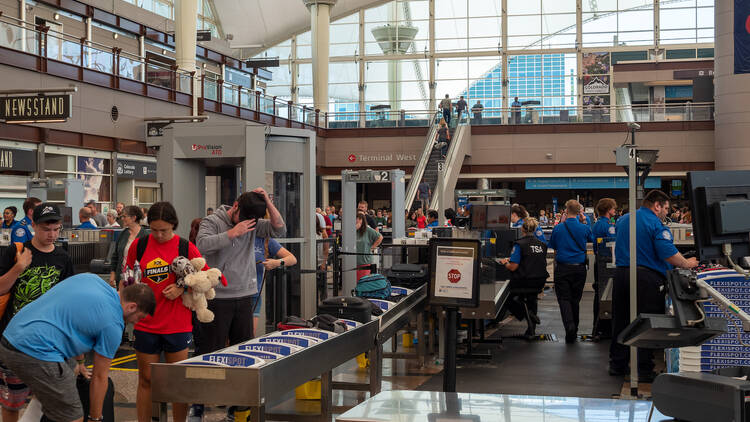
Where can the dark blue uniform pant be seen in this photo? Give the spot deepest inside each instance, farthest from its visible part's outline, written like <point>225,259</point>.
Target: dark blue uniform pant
<point>531,289</point>
<point>569,282</point>
<point>447,116</point>
<point>650,300</point>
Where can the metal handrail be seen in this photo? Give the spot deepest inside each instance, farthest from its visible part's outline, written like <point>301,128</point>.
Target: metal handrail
<point>416,177</point>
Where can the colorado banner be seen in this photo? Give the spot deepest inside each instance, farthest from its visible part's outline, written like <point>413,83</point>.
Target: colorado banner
<point>741,36</point>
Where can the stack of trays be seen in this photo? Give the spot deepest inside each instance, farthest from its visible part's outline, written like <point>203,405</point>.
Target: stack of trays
<point>724,350</point>
<point>271,347</point>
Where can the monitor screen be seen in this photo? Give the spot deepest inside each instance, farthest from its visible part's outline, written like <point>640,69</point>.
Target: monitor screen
<point>498,216</point>
<point>719,207</point>
<point>479,217</point>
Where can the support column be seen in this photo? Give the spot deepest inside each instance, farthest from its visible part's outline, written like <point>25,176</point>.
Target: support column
<point>185,21</point>
<point>504,117</point>
<point>732,96</point>
<point>324,194</point>
<point>431,57</point>
<point>320,21</point>
<point>294,74</point>
<point>579,61</point>
<point>142,56</point>
<point>89,38</point>
<point>361,63</point>
<point>22,16</point>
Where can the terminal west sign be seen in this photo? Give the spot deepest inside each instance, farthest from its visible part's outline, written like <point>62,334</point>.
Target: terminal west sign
<point>35,108</point>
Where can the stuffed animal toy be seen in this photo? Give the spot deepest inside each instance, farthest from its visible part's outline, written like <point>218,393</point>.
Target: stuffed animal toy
<point>199,285</point>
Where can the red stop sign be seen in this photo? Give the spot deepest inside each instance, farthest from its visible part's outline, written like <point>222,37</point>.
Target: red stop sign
<point>454,276</point>
<point>352,158</point>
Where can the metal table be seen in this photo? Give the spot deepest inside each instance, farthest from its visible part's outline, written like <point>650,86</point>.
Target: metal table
<point>427,406</point>
<point>263,386</point>
<point>389,324</point>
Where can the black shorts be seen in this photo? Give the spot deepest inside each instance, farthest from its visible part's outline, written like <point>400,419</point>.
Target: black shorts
<point>153,344</point>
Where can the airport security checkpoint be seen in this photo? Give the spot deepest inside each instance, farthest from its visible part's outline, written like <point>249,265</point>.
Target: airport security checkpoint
<point>451,279</point>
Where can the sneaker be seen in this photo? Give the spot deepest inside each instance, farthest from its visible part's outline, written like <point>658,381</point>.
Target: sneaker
<point>196,413</point>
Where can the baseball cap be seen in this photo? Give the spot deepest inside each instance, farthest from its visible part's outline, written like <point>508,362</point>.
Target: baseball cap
<point>46,212</point>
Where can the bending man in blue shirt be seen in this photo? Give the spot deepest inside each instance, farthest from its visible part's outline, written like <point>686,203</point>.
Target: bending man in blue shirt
<point>51,335</point>
<point>571,263</point>
<point>656,254</point>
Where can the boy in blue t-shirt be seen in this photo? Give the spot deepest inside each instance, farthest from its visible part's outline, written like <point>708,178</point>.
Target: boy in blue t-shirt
<point>51,335</point>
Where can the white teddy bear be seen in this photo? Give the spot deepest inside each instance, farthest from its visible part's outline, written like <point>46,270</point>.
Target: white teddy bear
<point>199,285</point>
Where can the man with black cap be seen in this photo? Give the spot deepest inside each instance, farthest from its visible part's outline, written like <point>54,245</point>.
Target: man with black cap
<point>28,271</point>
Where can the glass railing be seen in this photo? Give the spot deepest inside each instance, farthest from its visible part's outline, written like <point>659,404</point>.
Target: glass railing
<point>529,115</point>
<point>32,39</point>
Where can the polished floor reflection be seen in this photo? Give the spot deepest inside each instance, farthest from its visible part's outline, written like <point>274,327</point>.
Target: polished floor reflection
<point>426,406</point>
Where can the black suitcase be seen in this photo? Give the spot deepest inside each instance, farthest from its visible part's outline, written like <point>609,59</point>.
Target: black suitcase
<point>410,276</point>
<point>108,408</point>
<point>353,308</point>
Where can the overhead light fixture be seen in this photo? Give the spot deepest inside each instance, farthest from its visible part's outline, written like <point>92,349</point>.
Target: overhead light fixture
<point>115,35</point>
<point>163,51</point>
<point>56,16</point>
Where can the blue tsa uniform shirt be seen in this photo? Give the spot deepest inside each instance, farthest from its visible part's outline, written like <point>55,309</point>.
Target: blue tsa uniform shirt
<point>604,231</point>
<point>655,242</point>
<point>538,233</point>
<point>21,231</point>
<point>570,246</point>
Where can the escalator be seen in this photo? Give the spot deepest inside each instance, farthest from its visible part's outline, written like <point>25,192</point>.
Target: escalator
<point>460,147</point>
<point>427,165</point>
<point>427,156</point>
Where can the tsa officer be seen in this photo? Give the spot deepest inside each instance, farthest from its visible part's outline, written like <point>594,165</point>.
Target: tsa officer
<point>604,232</point>
<point>22,231</point>
<point>517,216</point>
<point>569,240</point>
<point>656,254</point>
<point>528,267</point>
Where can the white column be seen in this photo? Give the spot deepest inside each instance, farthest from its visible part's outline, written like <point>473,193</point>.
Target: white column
<point>22,16</point>
<point>579,60</point>
<point>431,54</point>
<point>185,21</point>
<point>89,38</point>
<point>504,116</point>
<point>293,73</point>
<point>731,96</point>
<point>142,56</point>
<point>320,21</point>
<point>324,194</point>
<point>361,86</point>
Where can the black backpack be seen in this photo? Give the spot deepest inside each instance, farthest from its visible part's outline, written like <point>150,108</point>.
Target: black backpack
<point>182,250</point>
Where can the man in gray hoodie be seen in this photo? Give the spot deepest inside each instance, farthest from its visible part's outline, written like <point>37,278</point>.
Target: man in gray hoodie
<point>226,239</point>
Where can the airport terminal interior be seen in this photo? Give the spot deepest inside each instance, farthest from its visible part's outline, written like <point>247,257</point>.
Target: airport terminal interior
<point>395,210</point>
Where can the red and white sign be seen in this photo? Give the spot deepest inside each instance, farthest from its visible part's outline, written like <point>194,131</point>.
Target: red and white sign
<point>352,158</point>
<point>454,276</point>
<point>454,272</point>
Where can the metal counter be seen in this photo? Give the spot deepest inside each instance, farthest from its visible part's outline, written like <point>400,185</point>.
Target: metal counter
<point>264,385</point>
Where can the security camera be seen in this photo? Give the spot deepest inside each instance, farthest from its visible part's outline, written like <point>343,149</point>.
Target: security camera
<point>634,126</point>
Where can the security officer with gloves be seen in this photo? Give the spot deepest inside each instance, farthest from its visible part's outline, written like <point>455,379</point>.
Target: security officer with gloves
<point>656,254</point>
<point>604,232</point>
<point>569,240</point>
<point>528,267</point>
